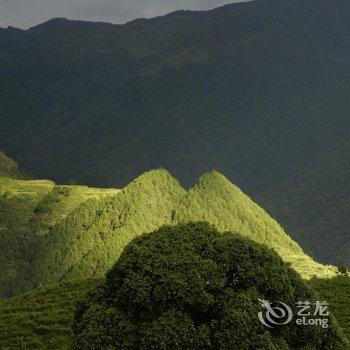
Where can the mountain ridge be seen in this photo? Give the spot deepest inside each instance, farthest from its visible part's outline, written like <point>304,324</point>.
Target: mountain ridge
<point>254,90</point>
<point>53,233</point>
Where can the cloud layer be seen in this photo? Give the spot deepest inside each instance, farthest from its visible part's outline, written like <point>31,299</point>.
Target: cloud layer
<point>24,14</point>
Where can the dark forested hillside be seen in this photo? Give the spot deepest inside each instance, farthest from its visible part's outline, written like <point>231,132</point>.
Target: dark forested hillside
<point>257,90</point>
<point>9,168</point>
<point>314,203</point>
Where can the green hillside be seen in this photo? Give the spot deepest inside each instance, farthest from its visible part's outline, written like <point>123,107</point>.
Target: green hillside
<point>92,237</point>
<point>216,200</point>
<point>41,319</point>
<point>29,209</point>
<point>51,233</point>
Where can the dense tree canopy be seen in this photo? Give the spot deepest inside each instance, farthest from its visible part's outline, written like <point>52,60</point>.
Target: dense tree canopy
<point>189,287</point>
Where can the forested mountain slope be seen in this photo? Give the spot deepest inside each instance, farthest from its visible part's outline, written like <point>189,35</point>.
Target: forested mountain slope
<point>52,233</point>
<point>314,204</point>
<point>41,319</point>
<point>255,90</point>
<point>29,209</point>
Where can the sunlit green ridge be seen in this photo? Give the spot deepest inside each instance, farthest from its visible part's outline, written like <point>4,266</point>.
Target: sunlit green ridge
<point>216,200</point>
<point>52,233</point>
<point>29,211</point>
<point>92,237</point>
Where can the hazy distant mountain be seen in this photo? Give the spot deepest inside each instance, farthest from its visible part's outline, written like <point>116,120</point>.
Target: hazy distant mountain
<point>257,90</point>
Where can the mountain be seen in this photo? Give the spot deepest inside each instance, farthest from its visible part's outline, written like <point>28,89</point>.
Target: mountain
<point>256,90</point>
<point>217,201</point>
<point>92,237</point>
<point>62,233</point>
<point>29,209</point>
<point>314,204</point>
<point>51,233</point>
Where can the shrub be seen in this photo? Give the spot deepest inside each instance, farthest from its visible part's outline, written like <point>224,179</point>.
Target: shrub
<point>342,270</point>
<point>189,287</point>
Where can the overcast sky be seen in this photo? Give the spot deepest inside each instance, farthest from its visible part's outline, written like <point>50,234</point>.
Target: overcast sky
<point>27,13</point>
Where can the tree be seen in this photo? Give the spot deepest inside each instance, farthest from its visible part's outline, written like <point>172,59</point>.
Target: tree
<point>342,270</point>
<point>190,287</point>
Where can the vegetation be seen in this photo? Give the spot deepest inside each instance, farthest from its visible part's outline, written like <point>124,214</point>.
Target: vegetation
<point>29,209</point>
<point>321,226</point>
<point>92,237</point>
<point>257,90</point>
<point>337,292</point>
<point>41,319</point>
<point>343,270</point>
<point>174,92</point>
<point>54,306</point>
<point>189,287</point>
<point>217,201</point>
<point>52,233</point>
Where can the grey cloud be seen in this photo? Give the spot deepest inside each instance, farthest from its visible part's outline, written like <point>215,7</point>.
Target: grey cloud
<point>27,13</point>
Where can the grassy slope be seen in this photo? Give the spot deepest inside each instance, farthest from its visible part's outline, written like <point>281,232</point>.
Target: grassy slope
<point>29,209</point>
<point>80,231</point>
<point>40,319</point>
<point>55,233</point>
<point>216,200</point>
<point>91,238</point>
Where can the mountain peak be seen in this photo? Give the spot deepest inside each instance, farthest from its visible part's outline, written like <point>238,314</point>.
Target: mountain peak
<point>215,180</point>
<point>51,22</point>
<point>213,174</point>
<point>59,26</point>
<point>155,177</point>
